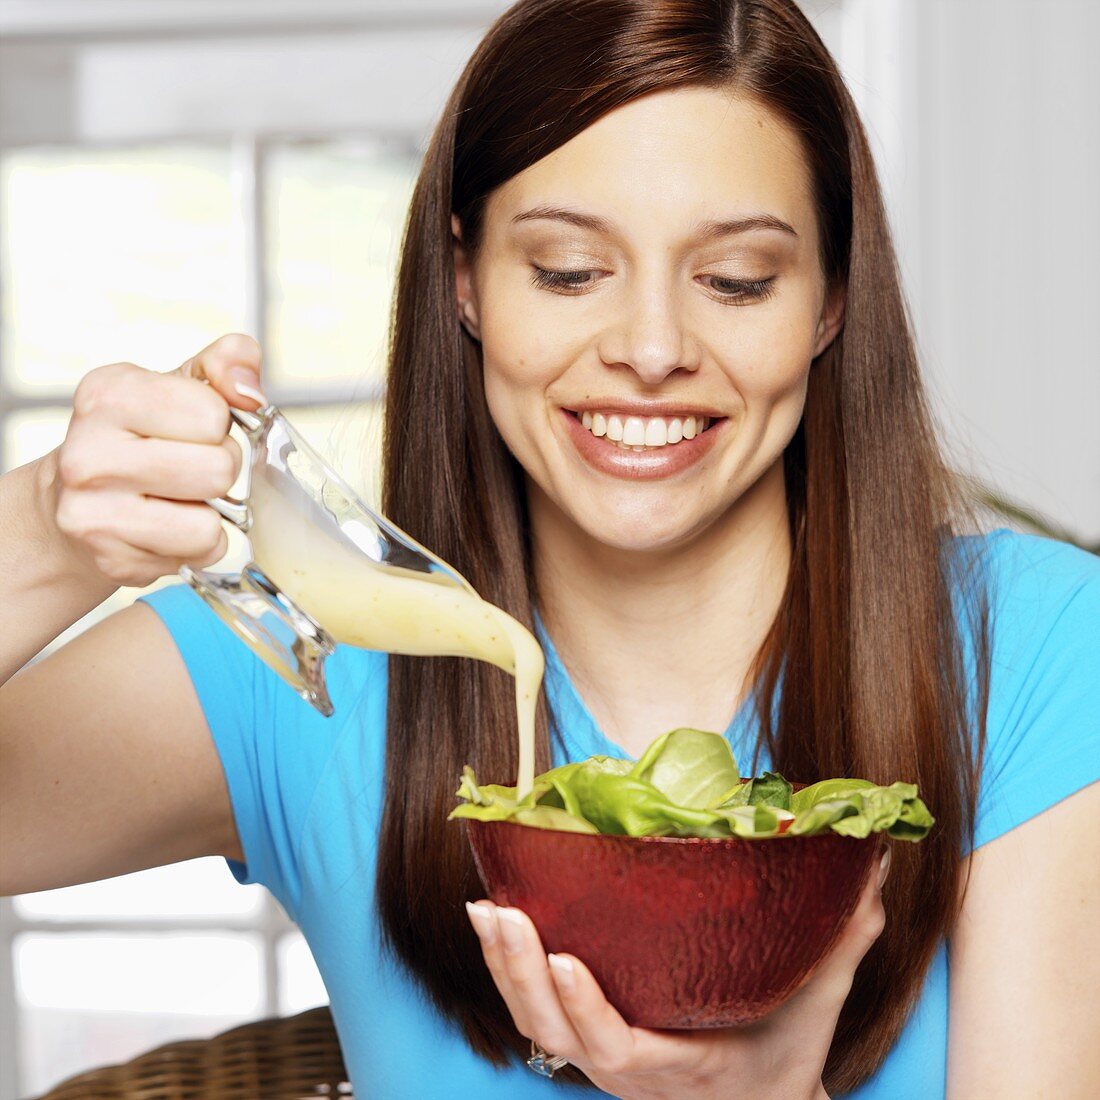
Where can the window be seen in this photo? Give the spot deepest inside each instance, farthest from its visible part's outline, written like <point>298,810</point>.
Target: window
<point>146,253</point>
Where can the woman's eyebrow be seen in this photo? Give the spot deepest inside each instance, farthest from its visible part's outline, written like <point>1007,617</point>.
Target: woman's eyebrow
<point>711,230</point>
<point>704,230</point>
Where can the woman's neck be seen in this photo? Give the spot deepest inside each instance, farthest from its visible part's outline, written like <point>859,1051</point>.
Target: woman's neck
<point>656,640</point>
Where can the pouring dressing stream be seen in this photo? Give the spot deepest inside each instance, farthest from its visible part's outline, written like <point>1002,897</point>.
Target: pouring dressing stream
<point>326,569</point>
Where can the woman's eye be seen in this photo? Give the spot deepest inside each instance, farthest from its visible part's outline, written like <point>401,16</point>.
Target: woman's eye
<point>731,290</point>
<point>743,290</point>
<point>561,280</point>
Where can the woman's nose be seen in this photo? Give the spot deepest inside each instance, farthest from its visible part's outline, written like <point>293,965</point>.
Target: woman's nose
<point>650,337</point>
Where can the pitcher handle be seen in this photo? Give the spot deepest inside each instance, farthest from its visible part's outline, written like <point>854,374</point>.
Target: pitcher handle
<point>236,511</point>
<point>230,508</point>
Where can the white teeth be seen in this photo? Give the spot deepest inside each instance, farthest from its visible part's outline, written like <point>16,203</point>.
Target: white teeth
<point>639,434</point>
<point>634,431</point>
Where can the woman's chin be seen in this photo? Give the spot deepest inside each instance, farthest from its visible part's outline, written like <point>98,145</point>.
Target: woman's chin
<point>631,518</point>
<point>647,534</point>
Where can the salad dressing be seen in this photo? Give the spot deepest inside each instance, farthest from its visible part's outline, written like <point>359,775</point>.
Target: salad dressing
<point>396,610</point>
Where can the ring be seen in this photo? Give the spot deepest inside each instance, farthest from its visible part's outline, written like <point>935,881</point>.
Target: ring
<point>543,1063</point>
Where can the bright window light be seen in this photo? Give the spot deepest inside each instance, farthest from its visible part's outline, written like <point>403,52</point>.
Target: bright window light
<point>334,216</point>
<point>300,982</point>
<point>193,888</point>
<point>189,972</point>
<point>109,255</point>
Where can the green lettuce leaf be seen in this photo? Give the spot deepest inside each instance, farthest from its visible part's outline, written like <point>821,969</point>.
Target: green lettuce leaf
<point>488,795</point>
<point>770,789</point>
<point>624,805</point>
<point>757,820</point>
<point>689,767</point>
<point>914,821</point>
<point>825,790</point>
<point>822,815</point>
<point>550,817</point>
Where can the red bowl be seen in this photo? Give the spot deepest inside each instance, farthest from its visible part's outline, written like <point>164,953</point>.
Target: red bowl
<point>680,932</point>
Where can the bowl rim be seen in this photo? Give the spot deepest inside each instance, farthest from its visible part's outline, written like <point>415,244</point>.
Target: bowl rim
<point>729,841</point>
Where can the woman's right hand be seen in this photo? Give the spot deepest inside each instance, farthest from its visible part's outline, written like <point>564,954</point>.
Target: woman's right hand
<point>556,1002</point>
<point>142,453</point>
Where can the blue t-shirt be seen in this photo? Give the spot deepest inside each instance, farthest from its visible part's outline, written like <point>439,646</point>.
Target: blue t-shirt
<point>307,798</point>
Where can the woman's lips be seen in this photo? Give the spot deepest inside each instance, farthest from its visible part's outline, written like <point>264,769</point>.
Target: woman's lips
<point>657,462</point>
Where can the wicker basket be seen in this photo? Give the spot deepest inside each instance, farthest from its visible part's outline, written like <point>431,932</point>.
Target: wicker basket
<point>284,1058</point>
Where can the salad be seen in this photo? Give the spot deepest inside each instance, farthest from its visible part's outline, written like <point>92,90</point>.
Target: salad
<point>687,784</point>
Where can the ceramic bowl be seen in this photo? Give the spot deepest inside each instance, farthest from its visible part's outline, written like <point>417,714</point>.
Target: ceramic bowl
<point>681,932</point>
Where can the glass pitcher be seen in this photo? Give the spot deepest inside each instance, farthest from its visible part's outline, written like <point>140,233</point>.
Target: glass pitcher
<point>307,531</point>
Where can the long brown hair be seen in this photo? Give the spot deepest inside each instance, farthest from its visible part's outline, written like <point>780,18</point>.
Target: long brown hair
<point>866,644</point>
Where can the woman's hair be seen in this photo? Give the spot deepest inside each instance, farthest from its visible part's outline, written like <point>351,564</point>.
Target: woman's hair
<point>862,673</point>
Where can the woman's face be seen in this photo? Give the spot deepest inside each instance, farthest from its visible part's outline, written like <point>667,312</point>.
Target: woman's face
<point>660,369</point>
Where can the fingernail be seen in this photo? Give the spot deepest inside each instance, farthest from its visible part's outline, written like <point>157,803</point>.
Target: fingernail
<point>247,383</point>
<point>561,969</point>
<point>883,867</point>
<point>510,922</point>
<point>483,923</point>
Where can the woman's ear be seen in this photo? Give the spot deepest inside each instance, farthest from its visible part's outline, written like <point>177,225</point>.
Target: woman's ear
<point>464,282</point>
<point>832,318</point>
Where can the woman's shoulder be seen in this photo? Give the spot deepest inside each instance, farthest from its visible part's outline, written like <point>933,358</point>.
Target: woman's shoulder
<point>1030,580</point>
<point>1044,675</point>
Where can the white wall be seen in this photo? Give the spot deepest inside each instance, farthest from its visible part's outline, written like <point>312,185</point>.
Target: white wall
<point>1009,276</point>
<point>137,71</point>
<point>986,115</point>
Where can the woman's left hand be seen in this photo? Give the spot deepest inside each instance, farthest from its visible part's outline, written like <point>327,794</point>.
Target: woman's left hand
<point>556,1002</point>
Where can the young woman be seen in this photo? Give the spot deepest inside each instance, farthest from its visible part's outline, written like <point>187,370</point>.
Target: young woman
<point>653,390</point>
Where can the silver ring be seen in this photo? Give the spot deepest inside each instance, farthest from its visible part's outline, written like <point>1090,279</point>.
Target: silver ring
<point>543,1063</point>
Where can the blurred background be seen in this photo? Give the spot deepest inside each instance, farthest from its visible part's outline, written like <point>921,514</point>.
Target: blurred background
<point>174,170</point>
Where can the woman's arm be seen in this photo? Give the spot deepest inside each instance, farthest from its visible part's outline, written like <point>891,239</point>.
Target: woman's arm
<point>106,761</point>
<point>45,581</point>
<point>1025,961</point>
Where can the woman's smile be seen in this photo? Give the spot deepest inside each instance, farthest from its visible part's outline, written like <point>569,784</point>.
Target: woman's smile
<point>616,440</point>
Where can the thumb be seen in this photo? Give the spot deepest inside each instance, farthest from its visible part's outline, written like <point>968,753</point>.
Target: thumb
<point>832,979</point>
<point>231,364</point>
